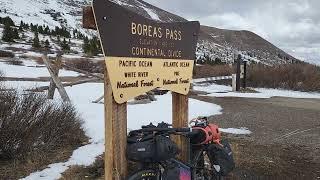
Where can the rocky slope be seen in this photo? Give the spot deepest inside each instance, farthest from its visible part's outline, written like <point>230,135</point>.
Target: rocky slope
<point>214,45</point>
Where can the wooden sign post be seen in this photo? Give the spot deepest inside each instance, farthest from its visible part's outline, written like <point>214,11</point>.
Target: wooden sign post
<point>115,134</point>
<point>140,55</point>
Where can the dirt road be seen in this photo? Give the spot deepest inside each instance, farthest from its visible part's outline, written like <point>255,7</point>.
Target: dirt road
<point>285,139</point>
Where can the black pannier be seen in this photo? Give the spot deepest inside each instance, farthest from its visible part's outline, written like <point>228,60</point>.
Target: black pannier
<point>156,149</point>
<point>221,156</point>
<point>176,171</point>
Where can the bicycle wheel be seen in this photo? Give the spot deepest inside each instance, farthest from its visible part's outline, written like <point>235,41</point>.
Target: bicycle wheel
<point>149,174</point>
<point>202,168</point>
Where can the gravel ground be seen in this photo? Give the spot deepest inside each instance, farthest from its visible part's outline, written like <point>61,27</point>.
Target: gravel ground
<point>285,139</point>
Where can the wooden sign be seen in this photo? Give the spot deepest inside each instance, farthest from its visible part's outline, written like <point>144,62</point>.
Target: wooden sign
<point>142,54</point>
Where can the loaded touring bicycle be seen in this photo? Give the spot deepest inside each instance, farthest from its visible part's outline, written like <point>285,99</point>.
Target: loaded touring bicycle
<point>155,153</point>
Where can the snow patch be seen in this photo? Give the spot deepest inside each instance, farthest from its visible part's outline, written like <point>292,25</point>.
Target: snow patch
<point>242,130</point>
<point>216,90</point>
<point>31,72</point>
<point>153,15</point>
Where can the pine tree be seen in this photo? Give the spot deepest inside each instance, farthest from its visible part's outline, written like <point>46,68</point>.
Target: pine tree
<point>65,46</point>
<point>34,28</point>
<point>7,21</point>
<point>21,26</point>
<point>26,26</point>
<point>75,31</point>
<point>96,45</point>
<point>91,47</point>
<point>86,46</point>
<point>7,35</point>
<point>47,44</point>
<point>36,43</point>
<point>40,29</point>
<point>56,30</point>
<point>22,36</point>
<point>46,30</point>
<point>15,33</point>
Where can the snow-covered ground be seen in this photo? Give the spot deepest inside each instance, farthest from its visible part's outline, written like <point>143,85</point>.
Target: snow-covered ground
<point>43,12</point>
<point>31,72</point>
<point>139,114</point>
<point>216,90</point>
<point>23,46</point>
<point>93,114</point>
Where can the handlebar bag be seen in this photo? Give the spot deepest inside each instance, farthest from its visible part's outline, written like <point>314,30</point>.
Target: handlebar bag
<point>141,151</point>
<point>221,157</point>
<point>165,148</point>
<point>159,148</point>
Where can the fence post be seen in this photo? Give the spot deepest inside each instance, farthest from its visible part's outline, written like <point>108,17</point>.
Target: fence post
<point>56,68</point>
<point>56,80</point>
<point>238,72</point>
<point>244,80</point>
<point>234,79</point>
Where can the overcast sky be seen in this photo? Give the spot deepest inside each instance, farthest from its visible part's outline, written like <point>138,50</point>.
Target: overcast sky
<point>292,25</point>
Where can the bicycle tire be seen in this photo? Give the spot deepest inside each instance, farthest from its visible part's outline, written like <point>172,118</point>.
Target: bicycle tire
<point>202,168</point>
<point>149,174</point>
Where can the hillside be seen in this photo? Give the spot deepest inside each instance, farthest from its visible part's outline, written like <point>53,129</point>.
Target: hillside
<point>214,46</point>
<point>249,43</point>
<point>66,13</point>
<point>272,126</point>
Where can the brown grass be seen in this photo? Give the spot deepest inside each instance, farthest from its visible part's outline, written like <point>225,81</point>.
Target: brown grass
<point>39,60</point>
<point>87,65</point>
<point>6,54</point>
<point>212,71</point>
<point>15,62</point>
<point>301,77</point>
<point>19,168</point>
<point>94,172</point>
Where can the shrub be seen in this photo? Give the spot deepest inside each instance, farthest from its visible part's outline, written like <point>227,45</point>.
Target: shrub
<point>29,123</point>
<point>212,71</point>
<point>87,65</point>
<point>39,60</point>
<point>15,62</point>
<point>301,77</point>
<point>6,54</point>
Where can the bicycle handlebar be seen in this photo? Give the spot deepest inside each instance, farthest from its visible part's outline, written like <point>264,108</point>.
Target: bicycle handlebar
<point>188,132</point>
<point>164,130</point>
